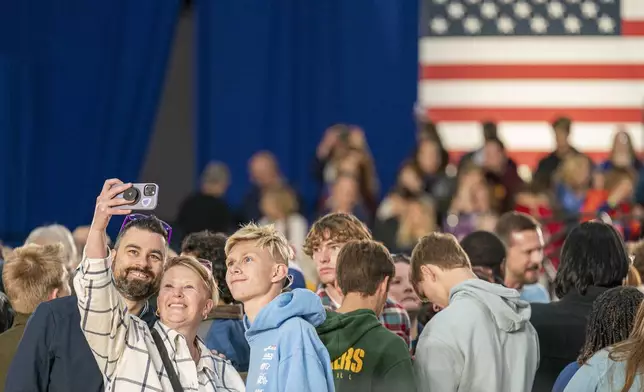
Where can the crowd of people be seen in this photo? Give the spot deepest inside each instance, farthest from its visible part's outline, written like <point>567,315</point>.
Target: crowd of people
<point>466,276</point>
<point>434,190</point>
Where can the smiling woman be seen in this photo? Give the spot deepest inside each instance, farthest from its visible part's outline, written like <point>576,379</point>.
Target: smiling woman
<point>188,293</point>
<point>168,356</point>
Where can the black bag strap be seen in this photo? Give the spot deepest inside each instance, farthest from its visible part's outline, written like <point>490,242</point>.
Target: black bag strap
<point>172,374</point>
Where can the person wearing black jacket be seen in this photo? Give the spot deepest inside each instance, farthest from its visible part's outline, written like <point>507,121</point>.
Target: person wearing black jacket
<point>550,163</point>
<point>53,354</point>
<point>593,259</point>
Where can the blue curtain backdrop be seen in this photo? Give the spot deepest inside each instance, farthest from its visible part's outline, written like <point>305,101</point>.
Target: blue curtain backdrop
<point>80,82</point>
<point>275,74</point>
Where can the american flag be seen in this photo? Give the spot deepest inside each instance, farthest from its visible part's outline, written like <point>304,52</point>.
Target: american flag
<point>525,62</point>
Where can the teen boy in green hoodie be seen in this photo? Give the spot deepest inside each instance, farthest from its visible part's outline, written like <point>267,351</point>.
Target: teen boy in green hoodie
<point>365,356</point>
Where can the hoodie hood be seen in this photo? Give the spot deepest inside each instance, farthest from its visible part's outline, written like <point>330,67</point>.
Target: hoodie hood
<point>508,311</point>
<point>296,303</point>
<point>341,331</point>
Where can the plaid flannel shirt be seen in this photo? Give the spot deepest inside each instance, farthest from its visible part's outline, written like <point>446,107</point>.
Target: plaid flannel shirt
<point>123,346</point>
<point>394,317</point>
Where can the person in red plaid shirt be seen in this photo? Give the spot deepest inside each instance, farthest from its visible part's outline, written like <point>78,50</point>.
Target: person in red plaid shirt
<point>323,243</point>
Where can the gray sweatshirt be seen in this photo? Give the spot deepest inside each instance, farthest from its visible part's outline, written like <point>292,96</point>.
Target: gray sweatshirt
<point>482,342</point>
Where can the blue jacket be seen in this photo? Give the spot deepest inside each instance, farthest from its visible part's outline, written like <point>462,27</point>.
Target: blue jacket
<point>565,376</point>
<point>53,354</point>
<point>228,338</point>
<point>286,354</point>
<point>602,374</point>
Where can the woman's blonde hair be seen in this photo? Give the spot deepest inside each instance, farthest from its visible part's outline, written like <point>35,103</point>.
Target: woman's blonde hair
<point>631,350</point>
<point>407,236</point>
<point>616,176</point>
<point>200,269</point>
<point>284,199</point>
<point>568,171</point>
<point>633,278</point>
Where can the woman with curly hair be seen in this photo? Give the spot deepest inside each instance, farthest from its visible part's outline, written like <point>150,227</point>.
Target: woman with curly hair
<point>610,322</point>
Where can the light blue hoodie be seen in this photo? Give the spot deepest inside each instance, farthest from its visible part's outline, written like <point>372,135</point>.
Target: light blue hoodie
<point>602,374</point>
<point>286,354</point>
<point>482,341</point>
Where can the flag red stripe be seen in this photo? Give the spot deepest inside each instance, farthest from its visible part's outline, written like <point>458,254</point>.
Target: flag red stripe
<point>550,71</point>
<point>531,158</point>
<point>613,115</point>
<point>633,28</point>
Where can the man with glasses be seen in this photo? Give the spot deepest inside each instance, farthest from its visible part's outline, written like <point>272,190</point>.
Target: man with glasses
<point>53,354</point>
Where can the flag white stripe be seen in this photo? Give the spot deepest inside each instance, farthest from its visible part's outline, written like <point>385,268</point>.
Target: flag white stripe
<point>536,136</point>
<point>632,9</point>
<point>531,94</point>
<point>527,50</point>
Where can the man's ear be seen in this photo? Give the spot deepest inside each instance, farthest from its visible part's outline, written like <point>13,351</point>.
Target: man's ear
<point>428,272</point>
<point>280,272</point>
<point>112,256</point>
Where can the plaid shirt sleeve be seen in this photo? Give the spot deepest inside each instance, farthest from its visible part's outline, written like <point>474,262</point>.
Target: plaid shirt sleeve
<point>103,312</point>
<point>395,318</point>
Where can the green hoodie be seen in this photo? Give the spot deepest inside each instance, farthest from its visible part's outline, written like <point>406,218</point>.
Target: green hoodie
<point>365,356</point>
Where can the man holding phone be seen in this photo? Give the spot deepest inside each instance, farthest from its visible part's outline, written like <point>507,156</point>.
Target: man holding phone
<point>53,354</point>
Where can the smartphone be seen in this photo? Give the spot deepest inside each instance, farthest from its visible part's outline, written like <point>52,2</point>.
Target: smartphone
<point>143,197</point>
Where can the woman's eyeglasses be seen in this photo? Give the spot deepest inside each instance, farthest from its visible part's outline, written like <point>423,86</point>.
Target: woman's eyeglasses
<point>134,217</point>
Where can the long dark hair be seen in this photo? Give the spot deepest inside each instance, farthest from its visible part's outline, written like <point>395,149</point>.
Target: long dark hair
<point>611,320</point>
<point>592,255</point>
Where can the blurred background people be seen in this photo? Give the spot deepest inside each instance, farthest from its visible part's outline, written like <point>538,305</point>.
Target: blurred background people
<point>33,274</point>
<point>207,209</point>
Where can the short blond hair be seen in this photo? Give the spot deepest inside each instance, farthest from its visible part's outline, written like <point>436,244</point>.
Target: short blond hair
<point>265,237</point>
<point>32,272</point>
<point>197,267</point>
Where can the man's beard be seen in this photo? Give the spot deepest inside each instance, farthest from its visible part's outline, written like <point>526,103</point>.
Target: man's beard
<point>135,289</point>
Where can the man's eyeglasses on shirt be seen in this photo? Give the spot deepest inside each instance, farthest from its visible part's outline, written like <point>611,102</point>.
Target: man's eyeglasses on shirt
<point>134,217</point>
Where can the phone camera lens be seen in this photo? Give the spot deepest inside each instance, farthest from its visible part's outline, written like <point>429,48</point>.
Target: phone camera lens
<point>131,195</point>
<point>150,190</point>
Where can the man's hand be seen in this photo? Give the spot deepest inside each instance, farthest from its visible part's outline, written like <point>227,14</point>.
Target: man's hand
<point>220,355</point>
<point>330,139</point>
<point>106,203</point>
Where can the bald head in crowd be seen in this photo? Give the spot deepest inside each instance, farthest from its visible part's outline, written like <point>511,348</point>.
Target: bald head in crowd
<point>264,170</point>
